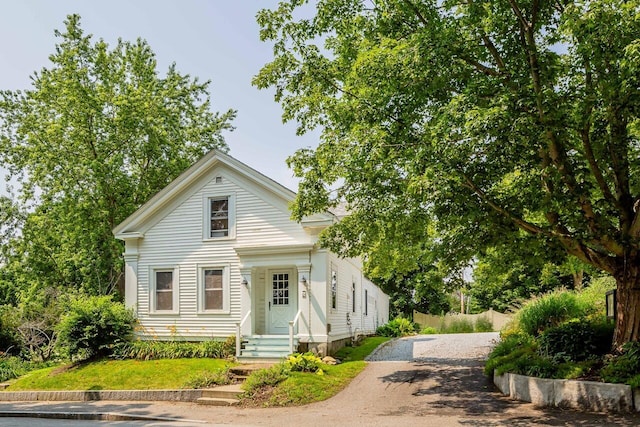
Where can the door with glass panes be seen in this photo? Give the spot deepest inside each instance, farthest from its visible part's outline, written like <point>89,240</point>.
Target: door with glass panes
<point>281,301</point>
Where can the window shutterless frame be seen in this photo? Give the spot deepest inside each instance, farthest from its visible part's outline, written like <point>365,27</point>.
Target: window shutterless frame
<point>164,290</point>
<point>219,217</point>
<point>213,289</point>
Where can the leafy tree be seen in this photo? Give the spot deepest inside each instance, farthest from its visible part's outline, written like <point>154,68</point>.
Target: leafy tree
<point>508,273</point>
<point>98,133</point>
<point>503,114</point>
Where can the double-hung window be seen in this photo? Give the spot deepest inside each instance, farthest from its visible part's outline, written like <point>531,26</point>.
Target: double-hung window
<point>164,290</point>
<point>213,289</point>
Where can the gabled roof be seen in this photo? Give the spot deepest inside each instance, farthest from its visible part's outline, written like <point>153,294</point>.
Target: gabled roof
<point>130,227</point>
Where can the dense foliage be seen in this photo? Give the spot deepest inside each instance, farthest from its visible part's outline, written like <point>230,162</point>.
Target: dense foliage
<point>153,350</point>
<point>93,326</point>
<point>99,132</point>
<point>398,327</point>
<point>563,334</point>
<point>456,124</point>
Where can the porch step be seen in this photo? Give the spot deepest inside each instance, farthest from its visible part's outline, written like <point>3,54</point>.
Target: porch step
<point>266,347</point>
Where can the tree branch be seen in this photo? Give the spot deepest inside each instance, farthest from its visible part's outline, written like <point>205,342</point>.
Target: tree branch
<point>525,225</point>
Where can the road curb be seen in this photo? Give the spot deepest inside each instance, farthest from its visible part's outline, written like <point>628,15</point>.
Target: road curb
<point>92,395</point>
<point>91,416</point>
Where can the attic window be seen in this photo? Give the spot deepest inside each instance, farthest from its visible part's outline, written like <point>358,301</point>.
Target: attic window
<point>218,180</point>
<point>219,217</point>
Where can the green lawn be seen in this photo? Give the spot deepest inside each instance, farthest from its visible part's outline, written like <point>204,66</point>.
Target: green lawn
<point>347,354</point>
<point>119,375</point>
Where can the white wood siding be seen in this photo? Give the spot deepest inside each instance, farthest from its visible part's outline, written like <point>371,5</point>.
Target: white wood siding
<point>176,239</point>
<point>349,270</point>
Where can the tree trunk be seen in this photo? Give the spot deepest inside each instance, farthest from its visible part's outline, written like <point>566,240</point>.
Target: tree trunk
<point>627,305</point>
<point>577,279</point>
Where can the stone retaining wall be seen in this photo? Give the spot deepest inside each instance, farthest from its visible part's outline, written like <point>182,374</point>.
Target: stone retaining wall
<point>584,395</point>
<point>81,396</point>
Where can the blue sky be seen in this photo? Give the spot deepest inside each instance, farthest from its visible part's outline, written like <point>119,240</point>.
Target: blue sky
<point>214,40</point>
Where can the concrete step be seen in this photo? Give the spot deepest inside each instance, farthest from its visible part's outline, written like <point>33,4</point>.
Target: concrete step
<point>223,392</point>
<point>247,369</point>
<point>216,401</point>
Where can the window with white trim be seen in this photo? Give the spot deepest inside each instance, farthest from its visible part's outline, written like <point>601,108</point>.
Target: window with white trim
<point>219,217</point>
<point>164,290</point>
<point>334,289</point>
<point>213,289</point>
<point>366,302</point>
<point>353,296</point>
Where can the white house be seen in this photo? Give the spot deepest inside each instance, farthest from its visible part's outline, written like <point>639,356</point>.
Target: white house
<point>216,253</point>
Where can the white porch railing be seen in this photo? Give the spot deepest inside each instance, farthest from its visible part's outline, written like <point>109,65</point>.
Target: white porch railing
<point>292,325</point>
<point>239,333</point>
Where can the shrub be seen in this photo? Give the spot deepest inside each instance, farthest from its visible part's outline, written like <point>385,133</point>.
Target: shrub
<point>549,310</point>
<point>483,325</point>
<point>428,330</point>
<point>625,368</point>
<point>263,378</point>
<point>398,327</point>
<point>458,326</point>
<point>576,340</point>
<point>14,367</point>
<point>593,296</point>
<point>207,379</point>
<point>524,361</point>
<point>152,350</point>
<point>504,351</point>
<point>9,338</point>
<point>93,326</point>
<point>306,362</point>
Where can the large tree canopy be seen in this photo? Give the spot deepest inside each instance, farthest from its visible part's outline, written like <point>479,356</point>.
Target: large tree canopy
<point>97,134</point>
<point>481,116</point>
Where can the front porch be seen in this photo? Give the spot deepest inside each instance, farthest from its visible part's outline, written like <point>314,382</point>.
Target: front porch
<point>275,288</point>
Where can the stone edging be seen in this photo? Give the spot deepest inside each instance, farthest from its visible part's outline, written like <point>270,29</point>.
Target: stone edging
<point>87,395</point>
<point>584,395</point>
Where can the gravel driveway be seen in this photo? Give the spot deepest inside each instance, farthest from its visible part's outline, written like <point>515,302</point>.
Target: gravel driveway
<point>436,348</point>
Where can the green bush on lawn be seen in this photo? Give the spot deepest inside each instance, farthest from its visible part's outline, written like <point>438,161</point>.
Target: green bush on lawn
<point>398,327</point>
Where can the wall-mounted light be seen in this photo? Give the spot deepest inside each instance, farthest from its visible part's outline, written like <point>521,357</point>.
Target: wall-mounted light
<point>304,281</point>
<point>244,281</point>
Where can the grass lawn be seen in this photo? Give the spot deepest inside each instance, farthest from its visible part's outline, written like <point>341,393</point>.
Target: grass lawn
<point>347,354</point>
<point>301,388</point>
<point>119,375</point>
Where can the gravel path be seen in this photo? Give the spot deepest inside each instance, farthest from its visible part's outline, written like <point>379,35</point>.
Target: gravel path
<point>436,348</point>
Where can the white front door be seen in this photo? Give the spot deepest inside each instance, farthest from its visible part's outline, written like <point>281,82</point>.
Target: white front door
<point>282,295</point>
